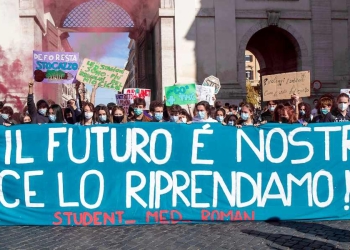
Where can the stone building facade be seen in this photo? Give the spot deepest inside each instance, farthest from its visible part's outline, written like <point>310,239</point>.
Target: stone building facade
<point>182,41</point>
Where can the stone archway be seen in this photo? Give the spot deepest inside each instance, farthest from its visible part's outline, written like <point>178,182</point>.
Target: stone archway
<point>287,32</point>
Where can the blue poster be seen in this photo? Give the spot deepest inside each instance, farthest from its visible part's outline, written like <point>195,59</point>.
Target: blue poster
<point>153,173</point>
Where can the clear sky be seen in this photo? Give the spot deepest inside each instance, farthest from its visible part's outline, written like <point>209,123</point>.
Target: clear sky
<point>108,48</point>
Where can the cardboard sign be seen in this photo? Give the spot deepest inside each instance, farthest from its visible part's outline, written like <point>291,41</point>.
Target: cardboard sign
<point>91,72</point>
<point>205,93</point>
<point>283,86</point>
<point>140,93</point>
<point>212,81</point>
<point>181,94</point>
<point>124,100</point>
<point>55,67</point>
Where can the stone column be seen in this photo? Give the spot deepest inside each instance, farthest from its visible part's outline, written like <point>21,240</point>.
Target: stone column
<point>322,40</point>
<point>185,41</point>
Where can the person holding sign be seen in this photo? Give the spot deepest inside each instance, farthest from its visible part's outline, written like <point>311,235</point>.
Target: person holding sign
<point>341,113</point>
<point>102,115</point>
<point>139,106</point>
<point>38,112</point>
<point>118,115</point>
<point>203,112</point>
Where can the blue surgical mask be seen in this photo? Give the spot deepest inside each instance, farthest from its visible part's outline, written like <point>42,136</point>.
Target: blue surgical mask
<point>52,118</point>
<point>103,118</point>
<point>174,118</point>
<point>201,115</point>
<point>138,111</point>
<point>42,111</point>
<point>302,112</point>
<point>5,116</point>
<point>158,116</point>
<point>230,113</point>
<point>184,120</point>
<point>245,116</point>
<point>272,108</point>
<point>324,111</point>
<point>231,123</point>
<point>219,118</point>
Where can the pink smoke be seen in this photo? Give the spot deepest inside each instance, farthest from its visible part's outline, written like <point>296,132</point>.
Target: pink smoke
<point>10,80</point>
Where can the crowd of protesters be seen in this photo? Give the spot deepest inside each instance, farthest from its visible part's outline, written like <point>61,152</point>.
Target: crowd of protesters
<point>326,109</point>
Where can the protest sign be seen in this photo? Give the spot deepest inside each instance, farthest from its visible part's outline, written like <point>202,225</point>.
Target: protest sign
<point>283,86</point>
<point>205,93</point>
<point>346,91</point>
<point>55,67</point>
<point>139,93</point>
<point>181,94</point>
<point>212,81</point>
<point>147,173</point>
<point>124,100</point>
<point>103,75</point>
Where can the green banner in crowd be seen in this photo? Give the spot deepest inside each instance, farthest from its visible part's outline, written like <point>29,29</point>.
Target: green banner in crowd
<point>181,94</point>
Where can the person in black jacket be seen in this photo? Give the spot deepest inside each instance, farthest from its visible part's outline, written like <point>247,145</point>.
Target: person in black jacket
<point>267,116</point>
<point>38,113</point>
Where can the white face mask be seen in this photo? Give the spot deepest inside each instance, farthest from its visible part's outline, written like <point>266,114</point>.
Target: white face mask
<point>342,106</point>
<point>184,119</point>
<point>88,115</point>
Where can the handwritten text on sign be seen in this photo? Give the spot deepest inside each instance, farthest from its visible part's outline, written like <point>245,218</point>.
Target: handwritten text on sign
<point>104,76</point>
<point>181,94</point>
<point>139,93</point>
<point>282,86</point>
<point>146,173</point>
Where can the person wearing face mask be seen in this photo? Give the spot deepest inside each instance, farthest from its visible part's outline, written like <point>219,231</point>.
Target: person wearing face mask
<point>6,117</point>
<point>233,110</point>
<point>118,115</point>
<point>202,110</point>
<point>55,114</point>
<point>231,120</point>
<point>341,113</point>
<point>87,116</point>
<point>102,115</point>
<point>38,113</point>
<point>25,119</point>
<point>184,117</point>
<point>305,116</point>
<point>174,112</point>
<point>157,111</point>
<point>247,116</point>
<point>325,105</point>
<point>138,115</point>
<point>220,115</point>
<point>314,111</point>
<point>267,116</point>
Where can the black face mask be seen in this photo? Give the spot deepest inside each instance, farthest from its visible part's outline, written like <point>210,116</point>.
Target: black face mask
<point>117,119</point>
<point>284,120</point>
<point>70,120</point>
<point>27,122</point>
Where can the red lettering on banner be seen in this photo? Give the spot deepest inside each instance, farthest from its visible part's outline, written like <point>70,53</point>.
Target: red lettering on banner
<point>96,222</point>
<point>107,218</point>
<point>58,217</point>
<point>68,215</point>
<point>161,216</point>
<point>85,221</point>
<point>230,215</point>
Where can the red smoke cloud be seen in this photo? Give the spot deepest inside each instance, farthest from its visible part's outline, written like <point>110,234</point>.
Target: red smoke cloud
<point>10,80</point>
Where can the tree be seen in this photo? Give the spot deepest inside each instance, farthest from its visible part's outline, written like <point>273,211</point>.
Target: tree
<point>252,94</point>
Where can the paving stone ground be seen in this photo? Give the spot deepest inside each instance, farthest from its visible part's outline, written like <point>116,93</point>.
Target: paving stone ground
<point>238,235</point>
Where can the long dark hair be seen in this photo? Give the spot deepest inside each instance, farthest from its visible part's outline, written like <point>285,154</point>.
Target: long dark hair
<point>105,109</point>
<point>91,106</point>
<point>57,111</point>
<point>307,110</point>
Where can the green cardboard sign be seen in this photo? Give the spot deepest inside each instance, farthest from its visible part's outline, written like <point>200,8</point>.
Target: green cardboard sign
<point>181,94</point>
